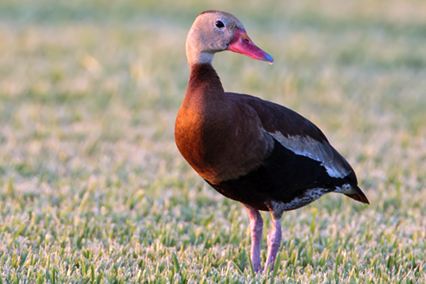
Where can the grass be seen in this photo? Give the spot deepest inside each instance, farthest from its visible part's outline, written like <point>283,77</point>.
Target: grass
<point>93,189</point>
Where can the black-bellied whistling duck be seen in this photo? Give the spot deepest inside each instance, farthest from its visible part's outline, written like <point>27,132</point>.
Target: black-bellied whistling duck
<point>259,153</point>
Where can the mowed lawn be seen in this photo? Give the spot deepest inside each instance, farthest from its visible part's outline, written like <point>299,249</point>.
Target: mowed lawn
<point>93,189</point>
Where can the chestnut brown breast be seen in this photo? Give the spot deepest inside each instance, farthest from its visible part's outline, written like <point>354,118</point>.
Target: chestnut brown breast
<point>220,138</point>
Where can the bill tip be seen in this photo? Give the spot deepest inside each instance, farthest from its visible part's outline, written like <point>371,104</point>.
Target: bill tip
<point>270,59</point>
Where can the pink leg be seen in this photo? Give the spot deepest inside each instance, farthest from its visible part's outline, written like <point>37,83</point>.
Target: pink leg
<point>256,228</point>
<point>274,240</point>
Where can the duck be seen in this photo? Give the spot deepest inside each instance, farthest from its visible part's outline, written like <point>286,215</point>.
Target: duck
<point>259,153</point>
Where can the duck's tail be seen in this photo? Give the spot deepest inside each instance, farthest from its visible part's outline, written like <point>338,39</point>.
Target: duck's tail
<point>357,194</point>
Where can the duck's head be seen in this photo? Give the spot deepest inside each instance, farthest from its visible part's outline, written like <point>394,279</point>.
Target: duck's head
<point>214,31</point>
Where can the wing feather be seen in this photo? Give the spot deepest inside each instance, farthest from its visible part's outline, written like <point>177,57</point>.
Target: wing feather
<point>298,134</point>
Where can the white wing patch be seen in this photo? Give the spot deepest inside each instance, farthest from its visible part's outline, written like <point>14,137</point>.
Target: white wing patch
<point>318,151</point>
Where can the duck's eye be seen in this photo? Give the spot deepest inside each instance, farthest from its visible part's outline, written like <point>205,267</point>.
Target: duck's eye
<point>219,24</point>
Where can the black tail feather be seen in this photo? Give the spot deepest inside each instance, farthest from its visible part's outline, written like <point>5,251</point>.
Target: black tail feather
<point>359,196</point>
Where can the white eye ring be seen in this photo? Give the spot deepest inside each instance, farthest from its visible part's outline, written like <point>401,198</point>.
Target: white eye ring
<point>220,24</point>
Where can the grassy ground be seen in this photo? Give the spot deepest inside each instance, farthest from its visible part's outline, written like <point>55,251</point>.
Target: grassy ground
<point>93,189</point>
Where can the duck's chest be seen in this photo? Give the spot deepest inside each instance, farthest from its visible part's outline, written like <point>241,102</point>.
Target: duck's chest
<point>219,145</point>
<point>202,139</point>
<point>220,138</point>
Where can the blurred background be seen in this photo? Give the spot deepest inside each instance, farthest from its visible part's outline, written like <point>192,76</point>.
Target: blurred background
<point>89,91</point>
<point>77,76</point>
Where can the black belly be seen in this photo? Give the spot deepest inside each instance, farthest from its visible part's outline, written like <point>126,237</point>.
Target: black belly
<point>283,177</point>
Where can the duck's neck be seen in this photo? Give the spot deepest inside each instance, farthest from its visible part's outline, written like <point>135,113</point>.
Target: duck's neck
<point>195,57</point>
<point>204,84</point>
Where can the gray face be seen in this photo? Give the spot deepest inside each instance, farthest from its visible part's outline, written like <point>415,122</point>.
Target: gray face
<point>211,32</point>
